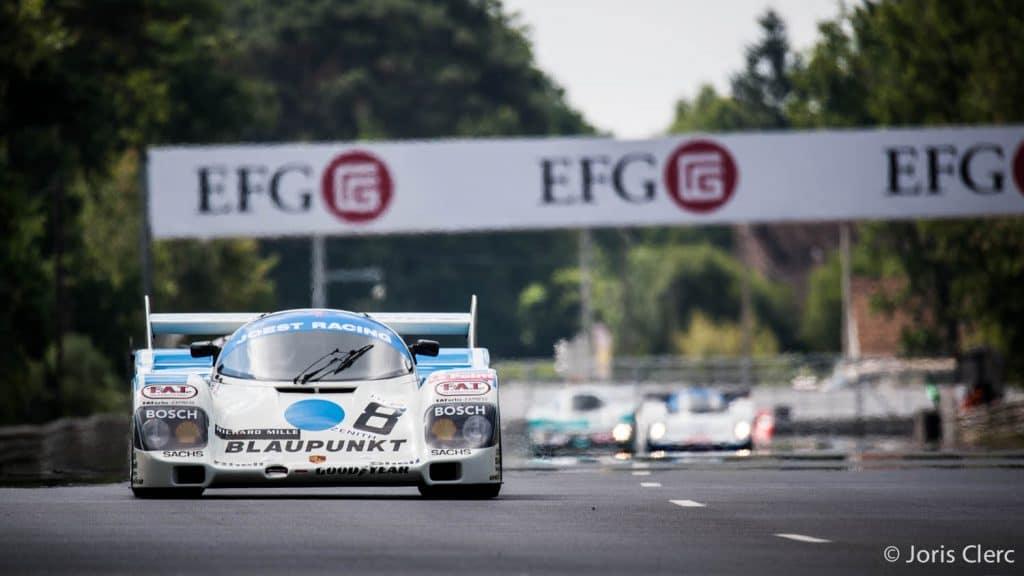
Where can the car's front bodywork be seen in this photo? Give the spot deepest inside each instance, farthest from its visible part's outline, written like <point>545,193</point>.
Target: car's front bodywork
<point>249,418</point>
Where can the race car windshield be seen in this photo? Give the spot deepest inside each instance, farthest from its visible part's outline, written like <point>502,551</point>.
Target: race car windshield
<point>282,356</point>
<point>697,402</point>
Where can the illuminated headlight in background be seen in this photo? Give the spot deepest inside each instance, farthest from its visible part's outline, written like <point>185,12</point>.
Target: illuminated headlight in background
<point>657,431</point>
<point>461,425</point>
<point>156,434</point>
<point>477,430</point>
<point>171,427</point>
<point>741,430</point>
<point>622,432</point>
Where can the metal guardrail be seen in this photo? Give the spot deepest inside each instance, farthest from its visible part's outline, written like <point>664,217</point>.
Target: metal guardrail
<point>796,370</point>
<point>1000,425</point>
<point>71,449</point>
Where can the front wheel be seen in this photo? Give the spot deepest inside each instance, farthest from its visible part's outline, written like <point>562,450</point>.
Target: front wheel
<point>460,492</point>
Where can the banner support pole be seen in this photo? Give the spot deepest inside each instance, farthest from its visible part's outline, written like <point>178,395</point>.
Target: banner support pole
<point>319,272</point>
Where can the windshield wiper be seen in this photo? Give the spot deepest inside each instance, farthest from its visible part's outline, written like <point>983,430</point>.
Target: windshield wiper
<point>335,360</point>
<point>302,373</point>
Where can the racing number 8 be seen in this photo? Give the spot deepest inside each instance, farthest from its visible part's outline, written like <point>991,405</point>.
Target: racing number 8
<point>373,411</point>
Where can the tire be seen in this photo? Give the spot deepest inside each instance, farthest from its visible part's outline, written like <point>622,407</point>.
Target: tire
<point>167,493</point>
<point>460,491</point>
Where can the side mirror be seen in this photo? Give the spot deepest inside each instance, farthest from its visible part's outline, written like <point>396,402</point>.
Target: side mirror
<point>203,349</point>
<point>425,348</point>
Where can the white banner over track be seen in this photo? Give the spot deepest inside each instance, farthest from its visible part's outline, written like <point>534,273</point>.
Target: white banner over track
<point>463,185</point>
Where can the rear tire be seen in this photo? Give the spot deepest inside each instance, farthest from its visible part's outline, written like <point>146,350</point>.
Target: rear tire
<point>167,493</point>
<point>460,491</point>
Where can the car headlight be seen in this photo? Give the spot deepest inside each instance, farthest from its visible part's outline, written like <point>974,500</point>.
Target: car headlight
<point>657,431</point>
<point>171,427</point>
<point>461,425</point>
<point>622,432</point>
<point>477,430</point>
<point>156,434</point>
<point>741,430</point>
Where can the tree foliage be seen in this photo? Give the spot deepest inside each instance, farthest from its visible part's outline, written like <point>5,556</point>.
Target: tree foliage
<point>704,338</point>
<point>87,86</point>
<point>402,69</point>
<point>821,323</point>
<point>931,62</point>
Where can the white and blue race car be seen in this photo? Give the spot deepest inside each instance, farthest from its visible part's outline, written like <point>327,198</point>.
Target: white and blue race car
<point>315,397</point>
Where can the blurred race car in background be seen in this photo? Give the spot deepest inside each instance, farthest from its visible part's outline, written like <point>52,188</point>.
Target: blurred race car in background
<point>695,419</point>
<point>581,418</point>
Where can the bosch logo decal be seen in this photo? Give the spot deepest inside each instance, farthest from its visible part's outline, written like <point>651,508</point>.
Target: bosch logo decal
<point>460,410</point>
<point>172,413</point>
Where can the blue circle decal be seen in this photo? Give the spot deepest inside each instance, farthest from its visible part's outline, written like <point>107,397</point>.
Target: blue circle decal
<point>314,414</point>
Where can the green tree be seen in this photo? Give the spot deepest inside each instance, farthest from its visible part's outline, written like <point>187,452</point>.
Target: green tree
<point>364,70</point>
<point>760,94</point>
<point>931,62</point>
<point>710,112</point>
<point>822,319</point>
<point>762,90</point>
<point>704,338</point>
<point>660,288</point>
<point>83,85</point>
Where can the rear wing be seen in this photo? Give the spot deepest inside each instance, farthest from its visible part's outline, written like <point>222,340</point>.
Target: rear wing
<point>405,323</point>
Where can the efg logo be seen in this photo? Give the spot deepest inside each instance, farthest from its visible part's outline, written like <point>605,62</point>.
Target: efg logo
<point>356,187</point>
<point>700,176</point>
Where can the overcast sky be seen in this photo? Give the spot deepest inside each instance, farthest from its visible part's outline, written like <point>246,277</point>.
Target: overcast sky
<point>624,63</point>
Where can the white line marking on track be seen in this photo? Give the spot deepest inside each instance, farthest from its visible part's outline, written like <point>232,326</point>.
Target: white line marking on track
<point>641,473</point>
<point>650,484</point>
<point>640,465</point>
<point>802,538</point>
<point>687,503</point>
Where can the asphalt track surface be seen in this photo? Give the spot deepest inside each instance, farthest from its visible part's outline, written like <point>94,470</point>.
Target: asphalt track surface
<point>584,520</point>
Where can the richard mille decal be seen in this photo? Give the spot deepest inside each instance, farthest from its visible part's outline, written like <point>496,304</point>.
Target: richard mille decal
<point>258,434</point>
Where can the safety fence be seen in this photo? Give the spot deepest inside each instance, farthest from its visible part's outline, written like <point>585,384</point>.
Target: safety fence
<point>800,371</point>
<point>997,426</point>
<point>66,450</point>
